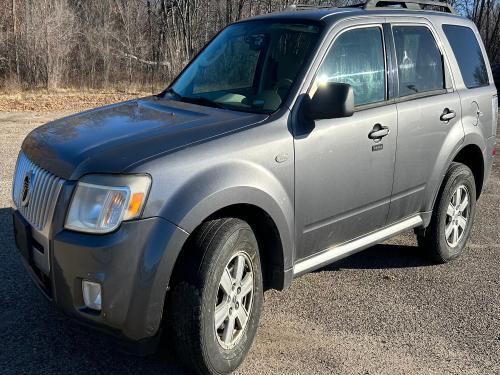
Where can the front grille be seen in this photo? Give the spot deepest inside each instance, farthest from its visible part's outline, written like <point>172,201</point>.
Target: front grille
<point>34,191</point>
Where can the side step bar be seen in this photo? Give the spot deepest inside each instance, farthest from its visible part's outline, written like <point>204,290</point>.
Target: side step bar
<point>341,251</point>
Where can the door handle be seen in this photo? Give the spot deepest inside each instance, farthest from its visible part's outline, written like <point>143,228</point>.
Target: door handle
<point>378,132</point>
<point>447,115</point>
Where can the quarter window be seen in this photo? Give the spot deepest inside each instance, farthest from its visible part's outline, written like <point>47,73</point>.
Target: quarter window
<point>420,63</point>
<point>357,58</point>
<point>468,54</point>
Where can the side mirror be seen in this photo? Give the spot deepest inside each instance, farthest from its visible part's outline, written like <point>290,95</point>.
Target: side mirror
<point>331,100</point>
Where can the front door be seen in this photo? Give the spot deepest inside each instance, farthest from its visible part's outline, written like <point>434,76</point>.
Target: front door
<point>343,177</point>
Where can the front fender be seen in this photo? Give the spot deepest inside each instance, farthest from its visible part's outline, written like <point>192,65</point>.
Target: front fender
<point>190,191</point>
<point>230,183</point>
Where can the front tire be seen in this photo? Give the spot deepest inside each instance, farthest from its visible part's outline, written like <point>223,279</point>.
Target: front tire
<point>216,301</point>
<point>452,217</point>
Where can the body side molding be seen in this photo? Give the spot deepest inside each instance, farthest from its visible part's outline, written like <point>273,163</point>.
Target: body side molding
<point>344,250</point>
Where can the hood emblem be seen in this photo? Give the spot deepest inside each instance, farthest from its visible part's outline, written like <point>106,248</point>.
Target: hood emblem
<point>24,195</point>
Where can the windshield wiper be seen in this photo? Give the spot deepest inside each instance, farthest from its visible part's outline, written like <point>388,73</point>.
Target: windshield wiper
<point>195,99</point>
<point>171,91</point>
<point>201,101</point>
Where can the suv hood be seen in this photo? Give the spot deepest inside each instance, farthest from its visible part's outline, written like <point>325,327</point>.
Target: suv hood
<point>110,139</point>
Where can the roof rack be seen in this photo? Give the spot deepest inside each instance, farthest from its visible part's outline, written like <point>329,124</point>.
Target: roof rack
<point>410,4</point>
<point>374,4</point>
<point>307,7</point>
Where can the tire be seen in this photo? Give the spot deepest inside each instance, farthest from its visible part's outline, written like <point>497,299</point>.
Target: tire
<point>447,234</point>
<point>203,288</point>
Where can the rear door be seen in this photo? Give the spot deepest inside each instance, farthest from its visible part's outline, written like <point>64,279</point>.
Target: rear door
<point>429,114</point>
<point>476,90</point>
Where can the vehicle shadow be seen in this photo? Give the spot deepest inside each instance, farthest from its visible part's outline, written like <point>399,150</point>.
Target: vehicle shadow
<point>383,256</point>
<point>37,338</point>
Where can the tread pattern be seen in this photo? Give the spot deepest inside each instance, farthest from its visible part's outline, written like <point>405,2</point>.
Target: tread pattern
<point>432,241</point>
<point>186,312</point>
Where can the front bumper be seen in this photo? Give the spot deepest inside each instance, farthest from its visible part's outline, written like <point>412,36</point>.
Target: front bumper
<point>133,266</point>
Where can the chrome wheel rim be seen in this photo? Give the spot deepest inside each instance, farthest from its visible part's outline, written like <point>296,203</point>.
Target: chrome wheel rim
<point>457,216</point>
<point>234,299</point>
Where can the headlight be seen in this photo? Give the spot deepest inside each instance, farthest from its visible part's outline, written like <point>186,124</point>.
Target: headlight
<point>101,202</point>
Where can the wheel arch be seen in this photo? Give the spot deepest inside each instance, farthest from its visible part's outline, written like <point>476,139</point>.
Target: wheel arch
<point>242,189</point>
<point>470,154</point>
<point>269,239</point>
<point>273,237</point>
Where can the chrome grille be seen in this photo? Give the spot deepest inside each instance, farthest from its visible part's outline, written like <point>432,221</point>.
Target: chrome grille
<point>43,190</point>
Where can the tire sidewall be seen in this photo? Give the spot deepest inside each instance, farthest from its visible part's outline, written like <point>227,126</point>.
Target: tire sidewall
<point>460,175</point>
<point>239,239</point>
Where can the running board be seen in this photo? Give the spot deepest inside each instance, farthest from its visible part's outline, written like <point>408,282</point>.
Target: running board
<point>342,251</point>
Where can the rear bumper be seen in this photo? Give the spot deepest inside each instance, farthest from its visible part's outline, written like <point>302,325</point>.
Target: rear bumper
<point>489,158</point>
<point>133,266</point>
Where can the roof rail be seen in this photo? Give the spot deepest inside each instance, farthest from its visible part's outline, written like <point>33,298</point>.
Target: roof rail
<point>307,7</point>
<point>410,4</point>
<point>373,4</point>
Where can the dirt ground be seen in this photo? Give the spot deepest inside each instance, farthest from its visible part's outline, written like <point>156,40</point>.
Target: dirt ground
<point>61,101</point>
<point>386,310</point>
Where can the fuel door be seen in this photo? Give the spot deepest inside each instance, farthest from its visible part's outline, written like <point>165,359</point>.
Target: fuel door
<point>476,113</point>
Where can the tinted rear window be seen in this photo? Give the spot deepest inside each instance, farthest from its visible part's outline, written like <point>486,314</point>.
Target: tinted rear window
<point>468,54</point>
<point>420,64</point>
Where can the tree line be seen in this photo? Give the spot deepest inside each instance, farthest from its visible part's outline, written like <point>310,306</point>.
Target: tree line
<point>140,43</point>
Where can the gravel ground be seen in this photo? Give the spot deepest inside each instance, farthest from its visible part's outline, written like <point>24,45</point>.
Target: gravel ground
<point>386,310</point>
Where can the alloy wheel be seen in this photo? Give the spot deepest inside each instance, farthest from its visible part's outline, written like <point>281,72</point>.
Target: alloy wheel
<point>457,216</point>
<point>234,300</point>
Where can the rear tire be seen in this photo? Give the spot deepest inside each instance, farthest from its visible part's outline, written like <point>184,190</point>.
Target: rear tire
<point>216,301</point>
<point>452,217</point>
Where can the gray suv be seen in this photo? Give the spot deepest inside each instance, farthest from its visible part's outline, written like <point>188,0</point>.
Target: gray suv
<point>291,140</point>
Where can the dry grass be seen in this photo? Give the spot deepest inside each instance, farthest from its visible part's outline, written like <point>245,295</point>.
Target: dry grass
<point>61,100</point>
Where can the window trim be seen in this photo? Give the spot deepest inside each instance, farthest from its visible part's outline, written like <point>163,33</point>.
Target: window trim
<point>380,25</point>
<point>420,95</point>
<point>391,63</point>
<point>448,86</point>
<point>455,56</point>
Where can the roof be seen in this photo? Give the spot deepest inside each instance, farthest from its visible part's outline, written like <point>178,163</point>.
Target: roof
<point>318,14</point>
<point>332,15</point>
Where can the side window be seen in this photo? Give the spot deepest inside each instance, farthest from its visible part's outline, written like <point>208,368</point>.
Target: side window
<point>420,63</point>
<point>468,54</point>
<point>357,58</point>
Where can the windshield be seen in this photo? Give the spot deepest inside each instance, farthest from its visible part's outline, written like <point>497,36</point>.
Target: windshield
<point>249,66</point>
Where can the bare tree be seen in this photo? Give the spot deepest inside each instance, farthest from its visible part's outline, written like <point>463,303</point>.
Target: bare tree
<point>103,43</point>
